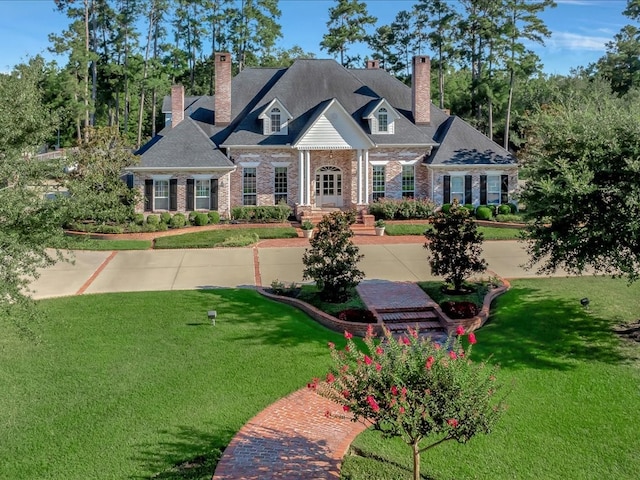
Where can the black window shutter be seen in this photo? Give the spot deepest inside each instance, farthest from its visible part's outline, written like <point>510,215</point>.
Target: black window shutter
<point>446,181</point>
<point>213,204</point>
<point>467,189</point>
<point>148,195</point>
<point>190,186</point>
<point>173,194</point>
<point>504,189</point>
<point>129,178</point>
<point>483,189</point>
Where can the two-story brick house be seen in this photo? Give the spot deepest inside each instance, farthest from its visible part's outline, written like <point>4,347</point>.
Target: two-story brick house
<point>316,135</point>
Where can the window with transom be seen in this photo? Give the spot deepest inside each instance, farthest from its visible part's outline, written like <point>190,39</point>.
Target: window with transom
<point>249,186</point>
<point>378,189</point>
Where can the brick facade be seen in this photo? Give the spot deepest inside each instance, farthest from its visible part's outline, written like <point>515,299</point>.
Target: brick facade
<point>222,97</point>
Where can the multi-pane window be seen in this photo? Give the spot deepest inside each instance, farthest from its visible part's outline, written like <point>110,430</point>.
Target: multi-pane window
<point>383,120</point>
<point>161,195</point>
<point>408,181</point>
<point>493,189</point>
<point>378,182</point>
<point>249,186</point>
<point>457,189</point>
<point>203,194</point>
<point>276,124</point>
<point>280,186</point>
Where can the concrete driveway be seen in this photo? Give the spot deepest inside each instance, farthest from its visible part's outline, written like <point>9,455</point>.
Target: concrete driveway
<point>133,271</point>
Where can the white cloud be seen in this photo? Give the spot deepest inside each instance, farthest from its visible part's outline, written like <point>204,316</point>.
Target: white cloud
<point>573,41</point>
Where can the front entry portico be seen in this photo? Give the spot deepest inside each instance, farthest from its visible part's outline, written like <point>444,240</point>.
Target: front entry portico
<point>328,187</point>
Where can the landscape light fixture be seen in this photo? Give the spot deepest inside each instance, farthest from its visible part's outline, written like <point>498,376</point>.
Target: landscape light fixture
<point>585,302</point>
<point>212,314</point>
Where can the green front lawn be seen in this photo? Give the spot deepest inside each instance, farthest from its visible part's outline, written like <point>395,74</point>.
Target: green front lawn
<point>574,408</point>
<point>229,237</point>
<point>490,233</point>
<point>86,243</point>
<point>140,384</point>
<point>132,385</point>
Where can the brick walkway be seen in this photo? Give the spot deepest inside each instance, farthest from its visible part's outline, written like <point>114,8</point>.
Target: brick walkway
<point>291,439</point>
<point>383,295</point>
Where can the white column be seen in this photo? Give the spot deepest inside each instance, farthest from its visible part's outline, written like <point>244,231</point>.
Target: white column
<point>308,175</point>
<point>359,173</point>
<point>301,177</point>
<point>366,177</point>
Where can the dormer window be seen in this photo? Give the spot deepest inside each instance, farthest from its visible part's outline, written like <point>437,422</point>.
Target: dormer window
<point>383,120</point>
<point>276,124</point>
<point>275,118</point>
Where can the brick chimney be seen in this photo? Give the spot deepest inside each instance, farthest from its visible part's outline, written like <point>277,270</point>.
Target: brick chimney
<point>373,64</point>
<point>223,89</point>
<point>177,104</point>
<point>421,90</point>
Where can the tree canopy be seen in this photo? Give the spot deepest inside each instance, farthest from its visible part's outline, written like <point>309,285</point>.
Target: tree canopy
<point>582,195</point>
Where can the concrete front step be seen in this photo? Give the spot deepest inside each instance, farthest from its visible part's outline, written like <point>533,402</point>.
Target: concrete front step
<point>424,308</point>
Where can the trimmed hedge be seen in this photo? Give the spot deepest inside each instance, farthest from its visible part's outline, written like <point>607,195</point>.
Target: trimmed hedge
<point>405,209</point>
<point>262,214</point>
<point>178,221</point>
<point>484,213</point>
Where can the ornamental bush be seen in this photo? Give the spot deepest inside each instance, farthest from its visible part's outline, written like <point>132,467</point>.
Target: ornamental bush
<point>446,208</point>
<point>484,213</point>
<point>178,221</point>
<point>165,217</point>
<point>414,388</point>
<point>138,218</point>
<point>214,217</point>
<point>504,209</point>
<point>201,219</point>
<point>405,209</point>
<point>192,217</point>
<point>153,220</point>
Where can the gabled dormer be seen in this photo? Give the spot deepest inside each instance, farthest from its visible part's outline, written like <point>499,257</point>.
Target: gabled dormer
<point>381,116</point>
<point>275,119</point>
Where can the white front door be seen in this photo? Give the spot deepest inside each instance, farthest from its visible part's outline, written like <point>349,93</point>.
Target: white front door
<point>328,187</point>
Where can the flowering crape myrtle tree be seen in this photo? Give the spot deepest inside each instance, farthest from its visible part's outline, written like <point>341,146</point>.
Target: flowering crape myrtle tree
<point>454,246</point>
<point>414,388</point>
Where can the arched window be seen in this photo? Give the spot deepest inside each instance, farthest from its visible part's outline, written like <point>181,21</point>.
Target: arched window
<point>383,120</point>
<point>276,124</point>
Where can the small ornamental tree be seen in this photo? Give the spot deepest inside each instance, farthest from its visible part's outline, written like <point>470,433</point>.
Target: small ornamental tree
<point>416,389</point>
<point>455,246</point>
<point>333,258</point>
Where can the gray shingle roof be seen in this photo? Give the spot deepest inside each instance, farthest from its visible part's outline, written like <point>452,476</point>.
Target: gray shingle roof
<point>461,144</point>
<point>184,146</point>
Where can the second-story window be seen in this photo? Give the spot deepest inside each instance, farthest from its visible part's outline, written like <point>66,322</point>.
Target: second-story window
<point>383,120</point>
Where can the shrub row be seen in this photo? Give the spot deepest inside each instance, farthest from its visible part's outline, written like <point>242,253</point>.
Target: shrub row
<point>152,223</point>
<point>505,212</point>
<point>405,209</point>
<point>266,213</point>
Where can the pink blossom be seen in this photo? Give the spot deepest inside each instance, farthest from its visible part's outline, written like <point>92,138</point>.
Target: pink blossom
<point>327,414</point>
<point>369,330</point>
<point>347,349</point>
<point>330,378</point>
<point>367,360</point>
<point>406,341</point>
<point>460,330</point>
<point>331,345</point>
<point>379,351</point>
<point>394,390</point>
<point>413,332</point>
<point>429,363</point>
<point>453,355</point>
<point>401,410</point>
<point>345,393</point>
<point>472,338</point>
<point>344,368</point>
<point>403,392</point>
<point>378,367</point>
<point>313,384</point>
<point>452,422</point>
<point>437,346</point>
<point>373,404</point>
<point>346,408</point>
<point>348,335</point>
<point>461,354</point>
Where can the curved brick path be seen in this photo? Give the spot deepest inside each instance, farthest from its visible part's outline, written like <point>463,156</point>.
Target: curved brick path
<point>293,438</point>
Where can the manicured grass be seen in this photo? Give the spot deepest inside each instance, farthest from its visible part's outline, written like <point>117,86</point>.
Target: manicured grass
<point>230,237</point>
<point>574,408</point>
<point>141,385</point>
<point>490,233</point>
<point>85,243</point>
<point>309,294</point>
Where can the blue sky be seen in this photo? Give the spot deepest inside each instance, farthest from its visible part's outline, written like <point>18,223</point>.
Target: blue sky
<point>580,28</point>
